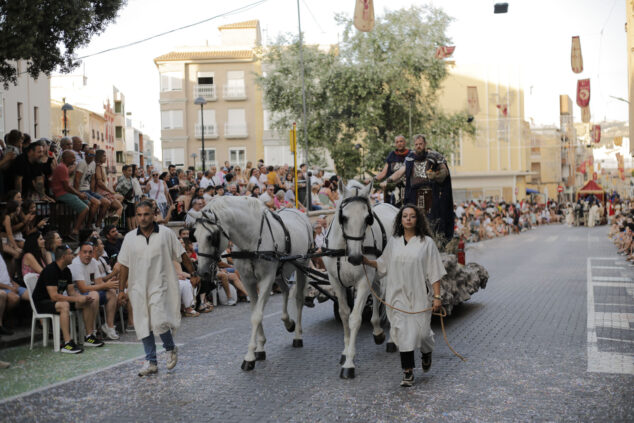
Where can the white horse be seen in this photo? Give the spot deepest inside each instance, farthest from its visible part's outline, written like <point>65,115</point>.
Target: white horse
<point>356,231</point>
<point>260,239</point>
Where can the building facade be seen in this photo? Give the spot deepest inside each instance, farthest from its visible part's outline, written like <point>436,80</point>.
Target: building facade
<point>232,118</point>
<point>26,105</point>
<point>495,163</point>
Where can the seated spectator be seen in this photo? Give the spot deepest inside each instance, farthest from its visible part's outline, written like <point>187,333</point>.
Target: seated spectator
<point>225,266</point>
<point>10,295</point>
<point>319,237</point>
<point>34,258</point>
<point>64,192</point>
<point>99,185</point>
<point>83,182</point>
<point>52,240</point>
<point>183,233</point>
<point>187,290</point>
<point>189,249</point>
<point>280,201</point>
<point>267,197</point>
<point>112,244</point>
<point>49,297</point>
<point>12,224</point>
<point>32,223</point>
<point>314,198</point>
<point>89,281</point>
<point>194,213</point>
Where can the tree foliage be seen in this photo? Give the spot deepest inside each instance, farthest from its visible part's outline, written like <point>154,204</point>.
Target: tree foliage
<point>367,89</point>
<point>46,33</point>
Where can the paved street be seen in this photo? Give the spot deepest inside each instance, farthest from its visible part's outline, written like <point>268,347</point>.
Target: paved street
<point>550,339</point>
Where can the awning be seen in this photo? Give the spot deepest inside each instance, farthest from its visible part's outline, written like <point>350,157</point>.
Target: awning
<point>531,191</point>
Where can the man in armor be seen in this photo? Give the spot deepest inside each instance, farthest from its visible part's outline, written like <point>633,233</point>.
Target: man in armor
<point>395,160</point>
<point>428,186</point>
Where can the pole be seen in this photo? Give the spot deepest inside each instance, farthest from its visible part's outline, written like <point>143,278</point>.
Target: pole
<point>294,148</point>
<point>301,61</point>
<point>65,131</point>
<point>202,127</point>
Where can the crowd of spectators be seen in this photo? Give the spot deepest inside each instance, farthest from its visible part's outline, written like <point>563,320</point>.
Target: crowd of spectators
<point>622,229</point>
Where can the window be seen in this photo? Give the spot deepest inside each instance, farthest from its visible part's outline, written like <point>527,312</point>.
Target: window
<point>175,156</point>
<point>117,107</point>
<point>205,78</point>
<point>20,116</point>
<point>210,158</point>
<point>171,81</point>
<point>118,130</point>
<point>102,137</point>
<point>36,121</point>
<point>236,126</point>
<point>120,157</point>
<point>93,134</point>
<point>238,156</point>
<point>171,119</point>
<point>209,116</point>
<point>235,85</point>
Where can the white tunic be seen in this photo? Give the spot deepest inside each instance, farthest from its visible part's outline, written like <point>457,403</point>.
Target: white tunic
<point>410,269</point>
<point>153,287</point>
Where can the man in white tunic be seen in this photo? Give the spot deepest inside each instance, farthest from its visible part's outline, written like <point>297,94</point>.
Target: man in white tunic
<point>414,269</point>
<point>146,259</point>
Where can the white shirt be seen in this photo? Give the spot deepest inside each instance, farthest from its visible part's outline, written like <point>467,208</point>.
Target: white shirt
<point>265,197</point>
<point>459,212</point>
<point>87,171</point>
<point>205,182</point>
<point>85,272</point>
<point>152,281</point>
<point>4,273</point>
<point>136,185</point>
<point>217,179</point>
<point>157,192</point>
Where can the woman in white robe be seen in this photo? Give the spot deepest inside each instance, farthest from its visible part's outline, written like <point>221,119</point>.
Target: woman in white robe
<point>593,215</point>
<point>414,268</point>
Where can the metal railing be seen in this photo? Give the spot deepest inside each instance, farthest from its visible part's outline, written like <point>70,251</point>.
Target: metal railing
<point>236,130</point>
<point>207,91</point>
<point>211,130</point>
<point>233,92</point>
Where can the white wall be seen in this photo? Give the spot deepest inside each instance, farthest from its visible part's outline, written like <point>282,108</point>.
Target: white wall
<point>31,93</point>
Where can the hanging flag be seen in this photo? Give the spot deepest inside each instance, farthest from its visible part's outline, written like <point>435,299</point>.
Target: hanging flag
<point>473,104</point>
<point>591,161</point>
<point>596,133</point>
<point>576,60</point>
<point>585,114</point>
<point>444,51</point>
<point>595,176</point>
<point>583,92</point>
<point>504,109</point>
<point>618,141</point>
<point>364,15</point>
<point>582,168</point>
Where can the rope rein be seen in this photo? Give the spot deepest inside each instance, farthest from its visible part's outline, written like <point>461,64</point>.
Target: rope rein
<point>442,314</point>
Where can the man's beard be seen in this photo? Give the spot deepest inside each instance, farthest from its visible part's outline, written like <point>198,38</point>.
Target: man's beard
<point>420,152</point>
<point>400,150</point>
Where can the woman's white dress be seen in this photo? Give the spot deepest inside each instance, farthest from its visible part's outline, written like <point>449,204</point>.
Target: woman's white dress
<point>411,270</point>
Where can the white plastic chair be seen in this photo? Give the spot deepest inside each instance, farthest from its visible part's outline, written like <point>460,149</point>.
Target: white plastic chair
<point>30,280</point>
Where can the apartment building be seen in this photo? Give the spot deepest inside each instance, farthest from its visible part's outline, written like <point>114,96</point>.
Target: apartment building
<point>232,118</point>
<point>495,163</point>
<point>25,106</point>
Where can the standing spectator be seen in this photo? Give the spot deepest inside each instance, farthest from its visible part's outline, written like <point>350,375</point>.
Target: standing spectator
<point>12,150</point>
<point>157,190</point>
<point>254,178</point>
<point>126,189</point>
<point>136,184</point>
<point>217,179</point>
<point>267,197</point>
<point>64,192</point>
<point>27,170</point>
<point>146,260</point>
<point>205,181</point>
<point>48,297</point>
<point>172,182</point>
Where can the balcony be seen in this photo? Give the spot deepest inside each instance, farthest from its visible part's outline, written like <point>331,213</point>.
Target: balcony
<point>236,130</point>
<point>206,91</point>
<point>234,92</point>
<point>211,131</point>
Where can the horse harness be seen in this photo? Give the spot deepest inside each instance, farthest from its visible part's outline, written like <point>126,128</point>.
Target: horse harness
<point>366,249</point>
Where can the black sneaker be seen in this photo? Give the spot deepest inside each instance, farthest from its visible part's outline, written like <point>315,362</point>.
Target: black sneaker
<point>5,331</point>
<point>408,379</point>
<point>426,361</point>
<point>92,341</point>
<point>71,348</point>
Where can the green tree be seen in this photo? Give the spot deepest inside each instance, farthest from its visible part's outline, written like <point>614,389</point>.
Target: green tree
<point>46,33</point>
<point>368,89</point>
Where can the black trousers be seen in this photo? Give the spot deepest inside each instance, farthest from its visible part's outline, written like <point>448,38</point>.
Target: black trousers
<point>407,360</point>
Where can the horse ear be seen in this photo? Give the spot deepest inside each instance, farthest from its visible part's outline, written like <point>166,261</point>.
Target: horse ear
<point>368,188</point>
<point>342,187</point>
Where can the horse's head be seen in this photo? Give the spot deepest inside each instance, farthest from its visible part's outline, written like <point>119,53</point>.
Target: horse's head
<point>355,216</point>
<point>212,241</point>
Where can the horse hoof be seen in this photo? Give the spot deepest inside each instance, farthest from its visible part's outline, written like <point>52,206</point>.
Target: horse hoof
<point>347,373</point>
<point>298,343</point>
<point>247,365</point>
<point>260,355</point>
<point>342,359</point>
<point>379,339</point>
<point>391,347</point>
<point>291,326</point>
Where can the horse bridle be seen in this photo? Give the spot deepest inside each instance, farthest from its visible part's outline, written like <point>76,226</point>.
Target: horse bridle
<point>212,219</point>
<point>369,220</point>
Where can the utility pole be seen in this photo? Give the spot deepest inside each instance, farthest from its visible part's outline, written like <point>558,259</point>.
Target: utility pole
<point>301,61</point>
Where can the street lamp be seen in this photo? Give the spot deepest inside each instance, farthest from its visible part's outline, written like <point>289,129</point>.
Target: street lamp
<point>202,102</point>
<point>66,107</point>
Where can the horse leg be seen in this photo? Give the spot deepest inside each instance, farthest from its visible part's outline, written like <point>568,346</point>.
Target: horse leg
<point>298,341</point>
<point>257,309</point>
<point>347,371</point>
<point>344,314</point>
<point>377,330</point>
<point>289,324</point>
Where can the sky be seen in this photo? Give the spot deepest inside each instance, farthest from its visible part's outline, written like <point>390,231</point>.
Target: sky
<point>534,35</point>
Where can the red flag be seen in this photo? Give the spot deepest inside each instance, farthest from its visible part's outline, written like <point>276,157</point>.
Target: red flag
<point>504,109</point>
<point>582,168</point>
<point>444,51</point>
<point>576,60</point>
<point>583,92</point>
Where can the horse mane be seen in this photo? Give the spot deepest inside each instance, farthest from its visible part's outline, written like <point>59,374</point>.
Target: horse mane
<point>229,204</point>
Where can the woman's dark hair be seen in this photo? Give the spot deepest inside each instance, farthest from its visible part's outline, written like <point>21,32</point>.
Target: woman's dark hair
<point>422,226</point>
<point>49,240</point>
<point>253,169</point>
<point>163,175</point>
<point>11,194</point>
<point>12,207</point>
<point>30,246</point>
<point>26,205</point>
